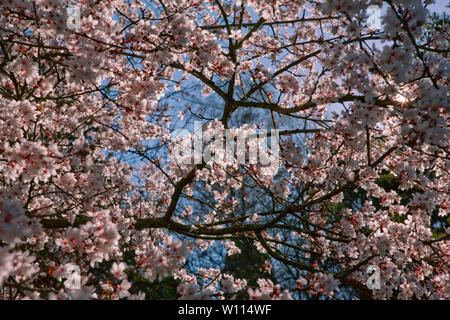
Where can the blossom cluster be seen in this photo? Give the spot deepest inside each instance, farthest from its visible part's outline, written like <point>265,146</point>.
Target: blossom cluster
<point>88,181</point>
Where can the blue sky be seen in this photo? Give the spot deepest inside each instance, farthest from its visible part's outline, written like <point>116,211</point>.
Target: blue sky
<point>440,6</point>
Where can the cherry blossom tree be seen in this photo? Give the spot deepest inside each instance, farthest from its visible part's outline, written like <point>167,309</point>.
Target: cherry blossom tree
<point>88,183</point>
